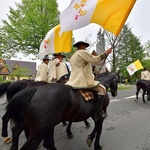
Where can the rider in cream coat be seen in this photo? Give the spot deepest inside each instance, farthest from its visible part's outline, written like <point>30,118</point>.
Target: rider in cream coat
<point>82,77</point>
<point>145,75</point>
<point>58,68</point>
<point>43,70</point>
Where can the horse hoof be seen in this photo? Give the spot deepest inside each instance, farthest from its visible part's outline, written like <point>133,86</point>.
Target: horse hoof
<point>7,140</point>
<point>99,148</point>
<point>64,123</point>
<point>70,136</point>
<point>136,100</point>
<point>89,142</point>
<point>88,125</point>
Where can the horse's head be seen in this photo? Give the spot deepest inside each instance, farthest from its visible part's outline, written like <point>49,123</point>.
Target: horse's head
<point>114,86</point>
<point>110,81</point>
<point>64,79</point>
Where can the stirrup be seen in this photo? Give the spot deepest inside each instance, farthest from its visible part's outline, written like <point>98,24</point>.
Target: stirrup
<point>104,115</point>
<point>100,116</point>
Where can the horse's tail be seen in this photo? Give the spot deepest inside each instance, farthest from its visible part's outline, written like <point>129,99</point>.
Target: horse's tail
<point>3,88</point>
<point>15,108</point>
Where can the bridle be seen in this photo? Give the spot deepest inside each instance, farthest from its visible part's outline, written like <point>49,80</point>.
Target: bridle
<point>107,86</point>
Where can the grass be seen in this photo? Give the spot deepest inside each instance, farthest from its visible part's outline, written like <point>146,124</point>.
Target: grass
<point>124,87</point>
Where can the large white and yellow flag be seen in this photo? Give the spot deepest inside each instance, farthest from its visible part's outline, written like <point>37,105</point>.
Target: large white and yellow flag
<point>135,66</point>
<point>110,14</point>
<point>55,43</point>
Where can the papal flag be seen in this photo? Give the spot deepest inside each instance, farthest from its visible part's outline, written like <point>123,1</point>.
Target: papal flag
<point>110,14</point>
<point>135,66</point>
<point>55,43</point>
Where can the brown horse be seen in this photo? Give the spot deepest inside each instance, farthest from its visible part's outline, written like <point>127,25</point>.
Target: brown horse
<point>45,107</point>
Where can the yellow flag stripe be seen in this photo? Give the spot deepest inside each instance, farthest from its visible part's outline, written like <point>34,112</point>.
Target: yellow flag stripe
<point>62,43</point>
<point>112,14</point>
<point>138,64</point>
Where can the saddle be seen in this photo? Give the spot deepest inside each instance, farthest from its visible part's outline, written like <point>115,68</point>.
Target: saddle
<point>87,94</point>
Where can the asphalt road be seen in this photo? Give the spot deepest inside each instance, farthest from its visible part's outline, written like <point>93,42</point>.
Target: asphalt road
<point>127,127</point>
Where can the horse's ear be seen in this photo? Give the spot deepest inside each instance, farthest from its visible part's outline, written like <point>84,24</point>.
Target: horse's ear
<point>94,53</point>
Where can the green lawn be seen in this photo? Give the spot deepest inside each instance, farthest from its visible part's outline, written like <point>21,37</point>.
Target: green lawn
<point>124,87</point>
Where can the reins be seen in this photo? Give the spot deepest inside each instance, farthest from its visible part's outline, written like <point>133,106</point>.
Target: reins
<point>107,85</point>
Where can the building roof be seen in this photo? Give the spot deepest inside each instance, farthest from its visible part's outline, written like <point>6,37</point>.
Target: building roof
<point>23,64</point>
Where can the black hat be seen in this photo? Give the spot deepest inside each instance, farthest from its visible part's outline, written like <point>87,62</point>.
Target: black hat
<point>59,54</point>
<point>46,57</point>
<point>79,43</point>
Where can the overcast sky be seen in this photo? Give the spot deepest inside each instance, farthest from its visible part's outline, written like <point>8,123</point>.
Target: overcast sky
<point>139,19</point>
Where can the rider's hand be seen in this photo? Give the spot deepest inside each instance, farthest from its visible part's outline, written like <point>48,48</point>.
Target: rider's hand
<point>108,51</point>
<point>57,64</point>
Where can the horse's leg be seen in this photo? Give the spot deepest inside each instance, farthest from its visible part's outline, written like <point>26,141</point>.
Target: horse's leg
<point>87,124</point>
<point>97,145</point>
<point>68,130</point>
<point>27,132</point>
<point>16,131</point>
<point>137,93</point>
<point>32,143</point>
<point>48,142</point>
<point>143,95</point>
<point>64,123</point>
<point>91,137</point>
<point>5,120</point>
<point>37,135</point>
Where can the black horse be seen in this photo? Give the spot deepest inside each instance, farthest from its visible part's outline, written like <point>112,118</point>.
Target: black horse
<point>45,107</point>
<point>11,88</point>
<point>145,86</point>
<point>108,85</point>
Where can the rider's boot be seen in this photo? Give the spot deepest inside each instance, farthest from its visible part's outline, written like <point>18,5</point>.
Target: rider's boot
<point>98,112</point>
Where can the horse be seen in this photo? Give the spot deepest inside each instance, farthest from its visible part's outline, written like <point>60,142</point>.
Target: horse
<point>37,106</point>
<point>145,86</point>
<point>11,88</point>
<point>108,85</point>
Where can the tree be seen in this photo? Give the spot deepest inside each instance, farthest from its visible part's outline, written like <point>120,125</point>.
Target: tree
<point>20,72</point>
<point>126,48</point>
<point>147,49</point>
<point>27,25</point>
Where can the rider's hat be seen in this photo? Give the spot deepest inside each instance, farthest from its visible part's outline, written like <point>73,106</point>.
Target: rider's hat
<point>59,54</point>
<point>46,57</point>
<point>81,43</point>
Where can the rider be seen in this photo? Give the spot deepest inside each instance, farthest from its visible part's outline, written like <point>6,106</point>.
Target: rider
<point>82,77</point>
<point>43,70</point>
<point>58,68</point>
<point>145,74</point>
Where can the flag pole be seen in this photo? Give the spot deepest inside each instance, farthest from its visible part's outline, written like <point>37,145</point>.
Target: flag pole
<point>106,56</point>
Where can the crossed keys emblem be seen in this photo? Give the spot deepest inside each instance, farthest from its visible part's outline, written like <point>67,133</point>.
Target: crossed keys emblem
<point>132,69</point>
<point>79,8</point>
<point>46,42</point>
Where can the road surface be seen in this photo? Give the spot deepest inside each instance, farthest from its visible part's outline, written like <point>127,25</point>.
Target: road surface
<point>127,127</point>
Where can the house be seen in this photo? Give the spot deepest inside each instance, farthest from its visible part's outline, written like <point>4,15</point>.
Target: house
<point>8,67</point>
